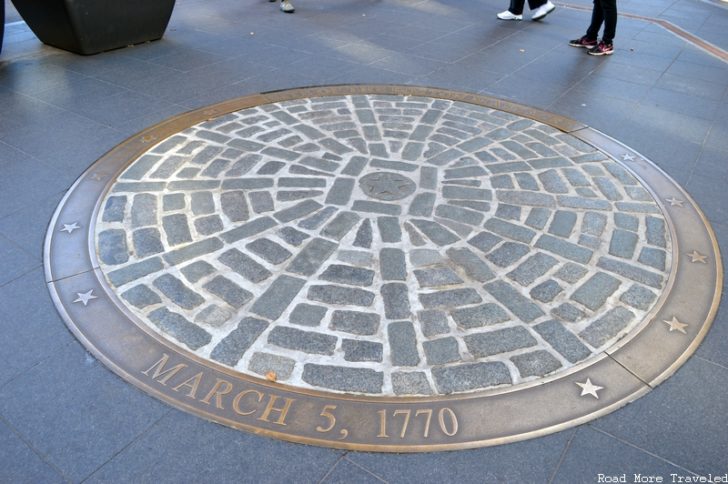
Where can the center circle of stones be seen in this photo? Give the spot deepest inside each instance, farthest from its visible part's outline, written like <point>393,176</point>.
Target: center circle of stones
<point>387,186</point>
<point>513,252</point>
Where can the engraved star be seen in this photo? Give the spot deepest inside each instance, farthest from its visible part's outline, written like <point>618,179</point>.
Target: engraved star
<point>696,256</point>
<point>70,227</point>
<point>588,388</point>
<point>85,297</point>
<point>675,202</point>
<point>676,325</point>
<point>627,157</point>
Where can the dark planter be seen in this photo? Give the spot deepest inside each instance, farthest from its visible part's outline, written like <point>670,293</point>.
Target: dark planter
<point>92,26</point>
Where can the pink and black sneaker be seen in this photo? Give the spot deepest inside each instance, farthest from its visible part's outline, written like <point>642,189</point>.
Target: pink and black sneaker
<point>583,42</point>
<point>602,48</point>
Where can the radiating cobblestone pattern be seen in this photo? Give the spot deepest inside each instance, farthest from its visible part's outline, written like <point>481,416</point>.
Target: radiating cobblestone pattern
<point>384,245</point>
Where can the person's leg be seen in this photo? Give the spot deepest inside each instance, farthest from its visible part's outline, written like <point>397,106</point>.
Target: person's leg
<point>592,33</point>
<point>516,7</point>
<point>610,20</point>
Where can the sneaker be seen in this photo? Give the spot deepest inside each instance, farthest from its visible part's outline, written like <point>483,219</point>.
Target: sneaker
<point>543,10</point>
<point>507,15</point>
<point>287,6</point>
<point>583,42</point>
<point>601,48</point>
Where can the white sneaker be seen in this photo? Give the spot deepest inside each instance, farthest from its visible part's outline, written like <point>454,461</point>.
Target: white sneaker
<point>543,10</point>
<point>507,15</point>
<point>287,6</point>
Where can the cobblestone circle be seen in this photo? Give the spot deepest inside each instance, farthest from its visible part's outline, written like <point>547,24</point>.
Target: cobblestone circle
<point>384,245</point>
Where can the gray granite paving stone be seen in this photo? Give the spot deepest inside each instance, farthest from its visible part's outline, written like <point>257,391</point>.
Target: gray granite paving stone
<point>438,276</point>
<point>390,230</point>
<point>475,268</point>
<point>340,225</point>
<point>470,376</point>
<point>435,232</point>
<point>392,265</point>
<point>536,363</point>
<point>571,272</point>
<point>362,380</point>
<point>478,316</point>
<point>314,221</point>
<point>307,314</point>
<point>196,249</point>
<point>546,291</point>
<point>339,295</point>
<point>508,253</point>
<point>402,343</point>
<point>568,312</point>
<point>147,242</point>
<point>306,341</point>
<point>213,315</point>
<point>244,265</point>
<point>261,202</point>
<point>176,229</point>
<point>623,244</point>
<point>451,298</point>
<point>355,322</point>
<point>356,350</point>
<point>656,232</point>
<point>422,205</point>
<point>655,258</point>
<point>563,223</point>
<point>441,351</point>
<point>508,212</point>
<point>228,291</point>
<point>197,270</point>
<point>396,300</point>
<point>135,271</point>
<point>410,383</point>
<point>143,210</point>
<point>484,241</point>
<point>311,257</point>
<point>538,217</point>
<point>235,206</point>
<point>499,341</point>
<point>180,328</point>
<point>564,248</point>
<point>269,250</point>
<point>175,201</point>
<point>607,327</point>
<point>626,222</point>
<point>209,225</point>
<point>248,229</point>
<point>638,297</point>
<point>141,296</point>
<point>115,207</point>
<point>594,293</point>
<point>264,363</point>
<point>342,274</point>
<point>112,248</point>
<point>340,191</point>
<point>433,322</point>
<point>364,235</point>
<point>279,295</point>
<point>236,343</point>
<point>563,340</point>
<point>367,206</point>
<point>532,268</point>
<point>630,271</point>
<point>178,292</point>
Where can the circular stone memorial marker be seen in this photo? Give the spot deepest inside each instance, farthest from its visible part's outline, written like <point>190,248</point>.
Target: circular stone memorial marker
<point>385,268</point>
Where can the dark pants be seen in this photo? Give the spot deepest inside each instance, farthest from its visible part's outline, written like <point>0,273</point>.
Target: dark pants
<point>605,11</point>
<point>516,7</point>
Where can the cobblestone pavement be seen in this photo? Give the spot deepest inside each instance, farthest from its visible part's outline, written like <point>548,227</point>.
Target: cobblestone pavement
<point>384,244</point>
<point>65,418</point>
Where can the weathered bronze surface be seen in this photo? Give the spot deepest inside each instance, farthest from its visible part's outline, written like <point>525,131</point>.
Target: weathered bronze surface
<point>643,359</point>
